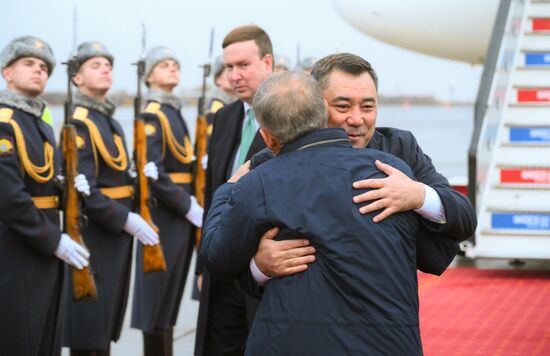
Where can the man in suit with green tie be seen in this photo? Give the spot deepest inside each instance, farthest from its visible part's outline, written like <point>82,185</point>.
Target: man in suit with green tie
<point>223,324</point>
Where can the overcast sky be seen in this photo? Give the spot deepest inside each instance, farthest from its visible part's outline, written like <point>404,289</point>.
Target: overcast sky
<point>185,26</point>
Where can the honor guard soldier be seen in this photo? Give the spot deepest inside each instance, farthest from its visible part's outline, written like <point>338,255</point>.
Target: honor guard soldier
<point>92,324</point>
<point>30,239</point>
<point>157,296</point>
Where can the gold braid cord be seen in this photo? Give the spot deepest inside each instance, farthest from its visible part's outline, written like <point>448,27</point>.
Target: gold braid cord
<point>40,174</point>
<point>119,163</point>
<point>183,154</point>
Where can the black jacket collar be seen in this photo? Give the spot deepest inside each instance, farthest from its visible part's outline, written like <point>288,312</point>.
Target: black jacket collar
<point>335,137</point>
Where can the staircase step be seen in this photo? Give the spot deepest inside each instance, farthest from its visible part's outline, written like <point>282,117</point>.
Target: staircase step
<point>520,199</point>
<point>514,233</point>
<point>522,186</point>
<point>539,77</point>
<point>536,41</point>
<point>540,24</point>
<point>528,105</point>
<point>528,135</point>
<point>525,176</point>
<point>534,60</point>
<point>519,221</point>
<point>539,9</point>
<point>531,155</point>
<point>531,95</point>
<point>511,245</point>
<point>527,116</point>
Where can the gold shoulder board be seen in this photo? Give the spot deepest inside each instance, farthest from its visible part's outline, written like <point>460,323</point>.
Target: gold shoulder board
<point>152,108</point>
<point>6,114</point>
<point>80,113</point>
<point>216,105</point>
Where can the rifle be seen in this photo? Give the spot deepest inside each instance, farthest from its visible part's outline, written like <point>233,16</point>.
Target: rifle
<point>153,257</point>
<point>201,139</point>
<point>83,280</point>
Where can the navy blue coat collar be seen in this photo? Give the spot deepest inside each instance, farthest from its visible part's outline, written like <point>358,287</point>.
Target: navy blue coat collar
<point>335,137</point>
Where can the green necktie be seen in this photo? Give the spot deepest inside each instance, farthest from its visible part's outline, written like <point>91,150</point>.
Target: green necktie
<point>247,135</point>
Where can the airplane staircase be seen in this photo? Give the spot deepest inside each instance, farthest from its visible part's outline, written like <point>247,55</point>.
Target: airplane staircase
<point>509,157</point>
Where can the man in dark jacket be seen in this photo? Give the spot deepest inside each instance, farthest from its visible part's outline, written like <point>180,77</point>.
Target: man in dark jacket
<point>349,85</point>
<point>360,297</point>
<point>222,324</point>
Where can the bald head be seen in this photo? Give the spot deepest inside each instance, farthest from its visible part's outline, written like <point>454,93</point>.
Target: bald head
<point>290,104</point>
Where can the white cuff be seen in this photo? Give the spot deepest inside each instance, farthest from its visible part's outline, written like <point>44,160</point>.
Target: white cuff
<point>258,276</point>
<point>432,209</point>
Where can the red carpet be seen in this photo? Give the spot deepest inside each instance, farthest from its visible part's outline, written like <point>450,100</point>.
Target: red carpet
<point>471,311</point>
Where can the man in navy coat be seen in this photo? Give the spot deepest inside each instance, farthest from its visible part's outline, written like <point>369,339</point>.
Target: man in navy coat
<point>361,296</point>
<point>349,85</point>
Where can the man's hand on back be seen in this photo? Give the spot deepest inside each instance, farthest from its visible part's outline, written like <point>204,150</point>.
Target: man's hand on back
<point>393,194</point>
<point>282,258</point>
<point>241,171</point>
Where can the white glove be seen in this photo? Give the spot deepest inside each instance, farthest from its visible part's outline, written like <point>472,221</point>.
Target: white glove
<point>151,171</point>
<point>81,184</point>
<point>71,252</point>
<point>194,215</point>
<point>136,226</point>
<point>204,162</point>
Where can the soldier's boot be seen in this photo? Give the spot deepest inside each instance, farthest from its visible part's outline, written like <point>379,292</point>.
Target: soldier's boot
<point>104,352</point>
<point>78,352</point>
<point>158,343</point>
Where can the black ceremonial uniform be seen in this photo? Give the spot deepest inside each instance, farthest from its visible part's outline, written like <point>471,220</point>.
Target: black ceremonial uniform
<point>102,158</point>
<point>157,296</point>
<point>32,277</point>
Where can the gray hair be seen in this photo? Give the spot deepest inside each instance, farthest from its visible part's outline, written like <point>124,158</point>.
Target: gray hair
<point>344,62</point>
<point>290,104</point>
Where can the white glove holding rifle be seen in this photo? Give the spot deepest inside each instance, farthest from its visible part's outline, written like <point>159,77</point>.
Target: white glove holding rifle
<point>136,226</point>
<point>151,171</point>
<point>71,252</point>
<point>194,215</point>
<point>81,185</point>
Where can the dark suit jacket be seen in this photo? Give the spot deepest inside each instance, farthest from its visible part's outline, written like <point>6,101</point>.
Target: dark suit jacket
<point>225,140</point>
<point>436,243</point>
<point>360,296</point>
